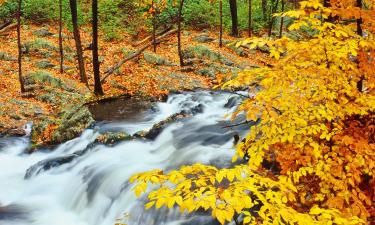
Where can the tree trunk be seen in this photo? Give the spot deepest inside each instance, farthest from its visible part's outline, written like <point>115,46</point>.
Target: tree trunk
<point>98,90</point>
<point>60,38</point>
<point>250,18</point>
<point>221,23</point>
<point>233,13</point>
<point>264,10</point>
<point>153,25</point>
<point>272,19</point>
<point>19,45</point>
<point>359,20</point>
<point>77,38</point>
<point>179,19</point>
<point>281,19</point>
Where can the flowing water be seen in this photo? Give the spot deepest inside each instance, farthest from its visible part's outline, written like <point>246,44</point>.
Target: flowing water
<point>91,188</point>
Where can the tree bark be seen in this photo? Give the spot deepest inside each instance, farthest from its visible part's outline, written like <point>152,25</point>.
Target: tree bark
<point>60,38</point>
<point>234,16</point>
<point>98,90</point>
<point>272,19</point>
<point>77,38</point>
<point>153,25</point>
<point>19,45</point>
<point>250,29</point>
<point>221,23</point>
<point>359,20</point>
<point>179,20</point>
<point>264,10</point>
<point>282,19</point>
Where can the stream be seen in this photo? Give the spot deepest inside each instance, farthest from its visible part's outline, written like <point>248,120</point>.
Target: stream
<point>92,188</point>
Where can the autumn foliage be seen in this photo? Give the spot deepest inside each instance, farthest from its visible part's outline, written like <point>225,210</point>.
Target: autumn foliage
<point>317,126</point>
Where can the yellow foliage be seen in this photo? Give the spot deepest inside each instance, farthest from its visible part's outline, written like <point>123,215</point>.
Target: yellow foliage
<point>316,109</point>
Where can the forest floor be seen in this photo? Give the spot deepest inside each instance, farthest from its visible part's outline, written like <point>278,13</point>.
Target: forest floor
<point>53,101</point>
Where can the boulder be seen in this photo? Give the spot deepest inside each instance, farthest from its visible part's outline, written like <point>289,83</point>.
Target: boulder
<point>45,64</point>
<point>43,32</point>
<point>205,52</point>
<point>6,57</point>
<point>111,138</point>
<point>203,38</point>
<point>153,58</point>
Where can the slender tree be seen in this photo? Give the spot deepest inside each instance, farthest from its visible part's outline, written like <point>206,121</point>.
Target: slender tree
<point>19,45</point>
<point>179,20</point>
<point>221,23</point>
<point>153,8</point>
<point>359,20</point>
<point>282,19</point>
<point>264,10</point>
<point>250,29</point>
<point>234,16</point>
<point>272,19</point>
<point>60,38</point>
<point>98,90</point>
<point>77,38</point>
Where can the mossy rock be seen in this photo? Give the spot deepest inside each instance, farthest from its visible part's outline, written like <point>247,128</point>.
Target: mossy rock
<point>38,45</point>
<point>73,121</point>
<point>43,77</point>
<point>44,64</point>
<point>202,51</point>
<point>6,57</point>
<point>203,38</point>
<point>156,59</point>
<point>110,138</point>
<point>43,32</point>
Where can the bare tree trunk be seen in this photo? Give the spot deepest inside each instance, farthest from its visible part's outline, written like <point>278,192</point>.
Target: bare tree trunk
<point>264,10</point>
<point>272,19</point>
<point>233,13</point>
<point>282,19</point>
<point>154,25</point>
<point>221,23</point>
<point>359,21</point>
<point>77,38</point>
<point>98,90</point>
<point>19,45</point>
<point>250,18</point>
<point>179,19</point>
<point>60,39</point>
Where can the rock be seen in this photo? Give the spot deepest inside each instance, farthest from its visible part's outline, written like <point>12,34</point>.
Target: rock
<point>18,132</point>
<point>264,49</point>
<point>6,57</point>
<point>154,132</point>
<point>44,64</point>
<point>12,213</point>
<point>44,32</point>
<point>202,51</point>
<point>43,78</point>
<point>73,121</point>
<point>203,38</point>
<point>232,101</point>
<point>39,45</point>
<point>156,59</point>
<point>110,138</point>
<point>238,50</point>
<point>48,164</point>
<point>208,72</point>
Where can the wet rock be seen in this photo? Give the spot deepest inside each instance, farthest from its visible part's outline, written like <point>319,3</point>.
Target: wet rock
<point>156,59</point>
<point>232,101</point>
<point>111,138</point>
<point>154,132</point>
<point>18,132</point>
<point>203,38</point>
<point>6,57</point>
<point>45,64</point>
<point>12,213</point>
<point>44,32</point>
<point>48,164</point>
<point>73,121</point>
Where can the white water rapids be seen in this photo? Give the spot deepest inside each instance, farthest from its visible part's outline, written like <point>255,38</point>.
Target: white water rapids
<point>93,188</point>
